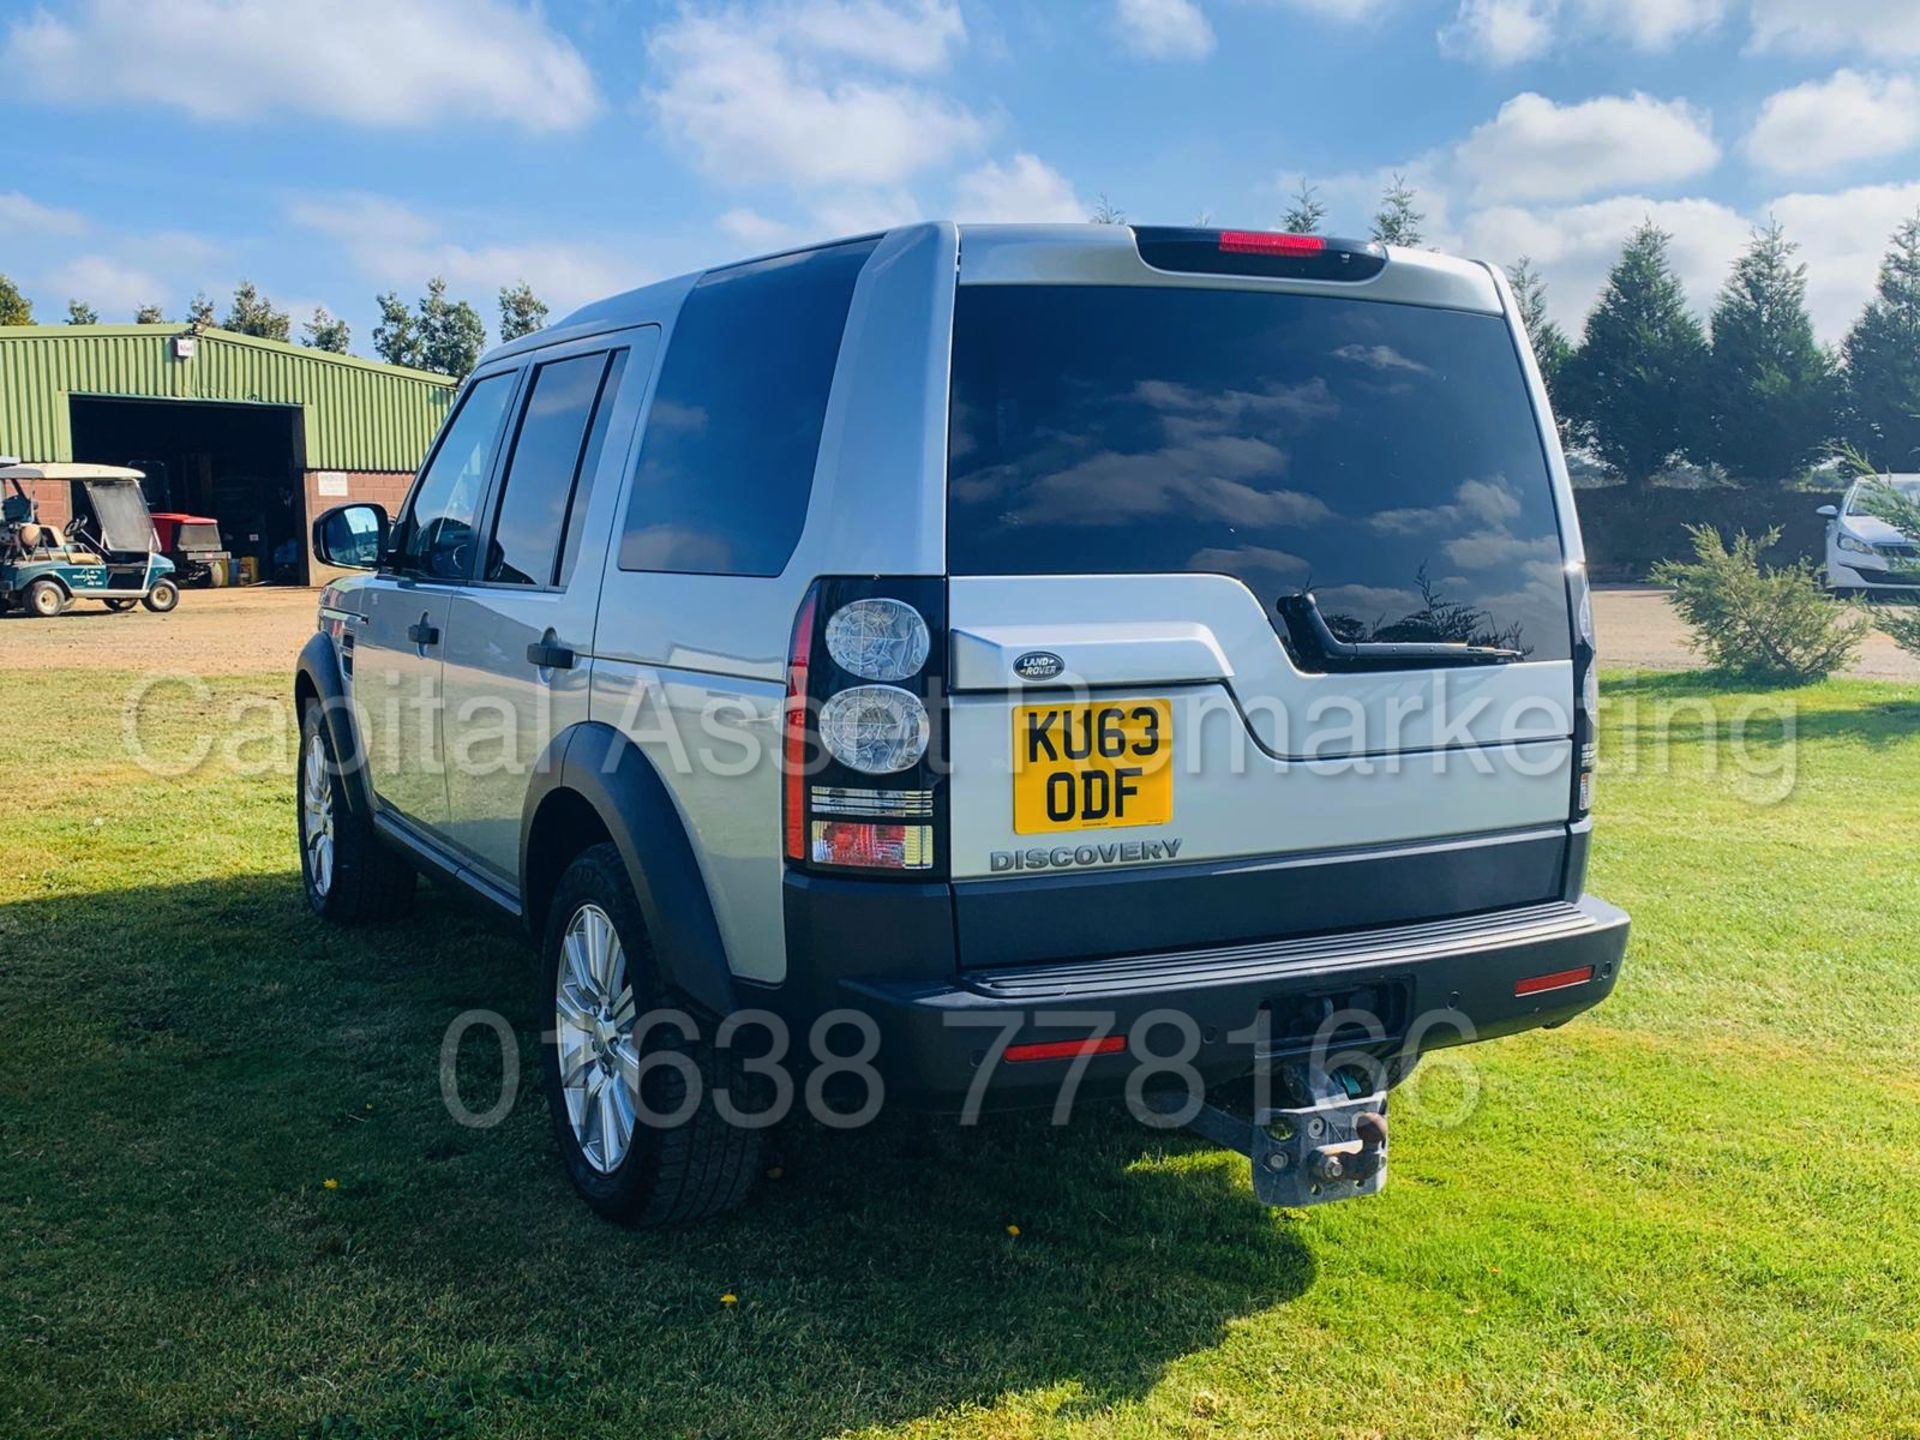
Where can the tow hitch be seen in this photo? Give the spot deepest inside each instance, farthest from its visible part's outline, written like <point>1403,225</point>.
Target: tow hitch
<point>1331,1147</point>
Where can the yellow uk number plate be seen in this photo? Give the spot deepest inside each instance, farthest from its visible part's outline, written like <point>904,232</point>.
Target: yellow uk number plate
<point>1092,765</point>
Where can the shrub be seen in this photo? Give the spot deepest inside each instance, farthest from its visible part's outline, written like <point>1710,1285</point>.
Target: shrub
<point>1769,624</point>
<point>1902,512</point>
<point>1902,624</point>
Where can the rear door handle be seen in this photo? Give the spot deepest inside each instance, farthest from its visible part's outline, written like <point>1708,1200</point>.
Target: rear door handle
<point>423,634</point>
<point>550,655</point>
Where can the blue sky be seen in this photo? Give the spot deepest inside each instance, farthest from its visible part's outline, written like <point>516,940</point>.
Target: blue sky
<point>336,148</point>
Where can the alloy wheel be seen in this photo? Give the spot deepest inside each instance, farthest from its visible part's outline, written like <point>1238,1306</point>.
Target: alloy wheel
<point>316,815</point>
<point>593,1025</point>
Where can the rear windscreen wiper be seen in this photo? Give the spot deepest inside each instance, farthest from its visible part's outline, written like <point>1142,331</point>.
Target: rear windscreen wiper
<point>1316,647</point>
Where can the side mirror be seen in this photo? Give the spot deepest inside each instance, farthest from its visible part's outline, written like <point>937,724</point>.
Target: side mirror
<point>353,537</point>
<point>1830,512</point>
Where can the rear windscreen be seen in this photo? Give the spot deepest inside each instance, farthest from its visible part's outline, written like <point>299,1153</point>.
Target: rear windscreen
<point>1383,456</point>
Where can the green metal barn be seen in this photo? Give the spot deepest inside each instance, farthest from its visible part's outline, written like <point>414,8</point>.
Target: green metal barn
<point>258,434</point>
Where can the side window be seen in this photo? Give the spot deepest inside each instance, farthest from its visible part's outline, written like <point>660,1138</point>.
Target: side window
<point>726,467</point>
<point>446,502</point>
<point>547,462</point>
<point>596,442</point>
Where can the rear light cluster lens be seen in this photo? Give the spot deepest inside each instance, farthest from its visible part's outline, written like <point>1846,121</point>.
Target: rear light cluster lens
<point>862,786</point>
<point>881,847</point>
<point>875,729</point>
<point>878,639</point>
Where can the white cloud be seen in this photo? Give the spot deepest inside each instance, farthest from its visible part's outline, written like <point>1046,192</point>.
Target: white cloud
<point>1535,149</point>
<point>1500,32</point>
<point>400,63</point>
<point>1349,12</point>
<point>859,212</point>
<point>914,39</point>
<point>112,288</point>
<point>19,213</point>
<point>750,227</point>
<point>1652,24</point>
<point>397,246</point>
<point>1845,118</point>
<point>1506,32</point>
<point>1842,238</point>
<point>1164,29</point>
<point>1876,27</point>
<point>1575,246</point>
<point>1025,189</point>
<point>764,97</point>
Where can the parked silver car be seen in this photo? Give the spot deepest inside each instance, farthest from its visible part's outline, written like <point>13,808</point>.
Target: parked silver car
<point>975,666</point>
<point>1864,552</point>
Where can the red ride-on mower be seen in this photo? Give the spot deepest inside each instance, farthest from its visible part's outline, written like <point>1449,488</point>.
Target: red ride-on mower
<point>192,542</point>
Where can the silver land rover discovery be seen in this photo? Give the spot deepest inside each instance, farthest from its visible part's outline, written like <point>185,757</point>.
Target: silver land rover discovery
<point>982,666</point>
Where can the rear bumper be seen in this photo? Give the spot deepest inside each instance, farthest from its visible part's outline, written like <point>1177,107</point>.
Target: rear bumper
<point>1429,985</point>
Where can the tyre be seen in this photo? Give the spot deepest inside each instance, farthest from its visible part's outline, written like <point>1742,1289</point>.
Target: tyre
<point>46,599</point>
<point>349,876</point>
<point>685,1163</point>
<point>119,607</point>
<point>162,597</point>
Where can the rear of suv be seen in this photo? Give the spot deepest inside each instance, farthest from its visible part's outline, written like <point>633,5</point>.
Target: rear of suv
<point>987,665</point>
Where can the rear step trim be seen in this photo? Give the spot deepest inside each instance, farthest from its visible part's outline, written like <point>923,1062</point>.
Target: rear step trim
<point>1238,964</point>
<point>1086,915</point>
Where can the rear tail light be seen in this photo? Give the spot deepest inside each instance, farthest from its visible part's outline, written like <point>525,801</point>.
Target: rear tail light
<point>875,729</point>
<point>862,785</point>
<point>1193,251</point>
<point>795,729</point>
<point>871,846</point>
<point>879,639</point>
<point>1586,691</point>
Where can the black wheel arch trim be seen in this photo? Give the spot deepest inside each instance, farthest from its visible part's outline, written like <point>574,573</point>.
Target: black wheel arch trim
<point>611,774</point>
<point>318,669</point>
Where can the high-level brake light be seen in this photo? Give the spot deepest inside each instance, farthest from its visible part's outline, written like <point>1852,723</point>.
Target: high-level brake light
<point>1267,242</point>
<point>1191,250</point>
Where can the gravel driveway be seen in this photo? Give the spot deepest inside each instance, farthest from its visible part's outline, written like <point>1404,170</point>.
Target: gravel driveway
<point>1639,631</point>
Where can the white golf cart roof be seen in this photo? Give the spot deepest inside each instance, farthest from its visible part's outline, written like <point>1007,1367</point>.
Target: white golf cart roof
<point>62,470</point>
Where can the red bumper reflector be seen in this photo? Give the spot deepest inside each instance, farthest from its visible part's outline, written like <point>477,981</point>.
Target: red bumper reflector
<point>1264,242</point>
<point>1559,980</point>
<point>1067,1049</point>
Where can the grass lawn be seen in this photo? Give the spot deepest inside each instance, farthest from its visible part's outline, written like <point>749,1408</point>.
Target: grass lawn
<point>1695,1211</point>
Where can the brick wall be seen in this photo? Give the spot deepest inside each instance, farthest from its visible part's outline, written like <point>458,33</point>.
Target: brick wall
<point>54,497</point>
<point>383,488</point>
<point>387,489</point>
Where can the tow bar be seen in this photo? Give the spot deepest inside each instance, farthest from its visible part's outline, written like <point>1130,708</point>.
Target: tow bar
<point>1333,1147</point>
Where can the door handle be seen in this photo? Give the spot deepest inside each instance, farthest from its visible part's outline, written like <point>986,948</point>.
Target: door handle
<point>423,634</point>
<point>550,655</point>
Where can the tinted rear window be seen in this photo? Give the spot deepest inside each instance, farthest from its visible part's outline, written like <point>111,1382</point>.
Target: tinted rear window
<point>726,467</point>
<point>1384,456</point>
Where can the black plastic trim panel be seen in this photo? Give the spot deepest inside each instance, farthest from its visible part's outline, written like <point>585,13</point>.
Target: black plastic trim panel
<point>1071,915</point>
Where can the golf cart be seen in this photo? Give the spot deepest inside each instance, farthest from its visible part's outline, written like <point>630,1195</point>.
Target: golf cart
<point>107,553</point>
